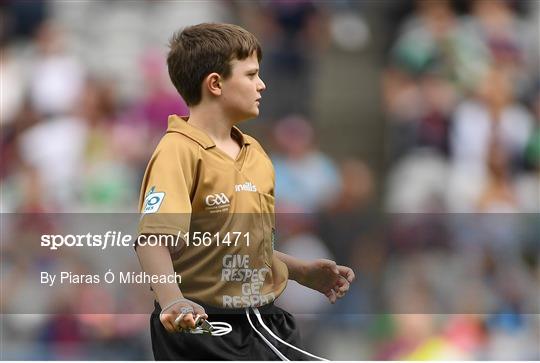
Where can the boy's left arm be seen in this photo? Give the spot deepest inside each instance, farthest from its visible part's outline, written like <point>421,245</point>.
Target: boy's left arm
<point>322,275</point>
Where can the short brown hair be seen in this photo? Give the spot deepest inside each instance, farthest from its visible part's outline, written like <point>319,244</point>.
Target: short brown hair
<point>199,50</point>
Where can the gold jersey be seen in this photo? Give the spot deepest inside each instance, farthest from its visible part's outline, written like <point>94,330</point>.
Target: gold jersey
<point>222,208</point>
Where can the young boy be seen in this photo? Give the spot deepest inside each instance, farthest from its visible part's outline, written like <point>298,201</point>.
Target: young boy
<point>213,186</point>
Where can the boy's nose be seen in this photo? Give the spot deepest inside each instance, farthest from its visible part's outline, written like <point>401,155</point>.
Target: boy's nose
<point>261,86</point>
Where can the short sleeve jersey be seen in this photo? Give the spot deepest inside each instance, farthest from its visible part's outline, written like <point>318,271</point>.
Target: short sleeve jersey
<point>224,211</point>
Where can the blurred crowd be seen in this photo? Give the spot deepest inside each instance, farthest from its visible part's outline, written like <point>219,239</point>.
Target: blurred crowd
<point>462,97</point>
<point>441,227</point>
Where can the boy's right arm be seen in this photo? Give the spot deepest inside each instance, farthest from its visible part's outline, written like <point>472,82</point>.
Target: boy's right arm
<point>156,260</point>
<point>165,208</point>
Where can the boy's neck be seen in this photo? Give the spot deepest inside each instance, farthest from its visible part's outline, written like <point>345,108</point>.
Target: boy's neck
<point>213,123</point>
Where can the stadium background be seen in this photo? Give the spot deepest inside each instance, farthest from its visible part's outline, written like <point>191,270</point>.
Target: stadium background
<point>422,109</point>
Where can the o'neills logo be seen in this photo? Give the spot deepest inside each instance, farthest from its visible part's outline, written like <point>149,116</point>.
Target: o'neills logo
<point>218,202</point>
<point>246,187</point>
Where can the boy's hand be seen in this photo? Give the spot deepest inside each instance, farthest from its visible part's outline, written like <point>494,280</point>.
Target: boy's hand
<point>328,278</point>
<point>181,315</point>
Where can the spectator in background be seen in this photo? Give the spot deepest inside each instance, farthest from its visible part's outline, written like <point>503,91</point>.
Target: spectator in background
<point>159,98</point>
<point>409,332</point>
<point>507,41</point>
<point>492,116</point>
<point>306,179</point>
<point>294,32</point>
<point>528,183</point>
<point>493,112</point>
<point>13,86</point>
<point>110,152</point>
<point>55,144</point>
<point>58,77</point>
<point>420,86</point>
<point>352,212</point>
<point>12,169</point>
<point>427,39</point>
<point>417,183</point>
<point>498,195</point>
<point>142,124</point>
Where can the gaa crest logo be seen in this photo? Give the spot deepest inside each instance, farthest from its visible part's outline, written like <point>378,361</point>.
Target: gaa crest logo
<point>216,200</point>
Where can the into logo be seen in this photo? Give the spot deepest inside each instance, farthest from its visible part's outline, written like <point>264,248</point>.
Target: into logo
<point>216,200</point>
<point>153,201</point>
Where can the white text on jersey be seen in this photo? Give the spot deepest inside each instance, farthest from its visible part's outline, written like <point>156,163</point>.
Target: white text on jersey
<point>246,187</point>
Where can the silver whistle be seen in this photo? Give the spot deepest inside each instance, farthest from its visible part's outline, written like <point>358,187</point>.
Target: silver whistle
<point>201,323</point>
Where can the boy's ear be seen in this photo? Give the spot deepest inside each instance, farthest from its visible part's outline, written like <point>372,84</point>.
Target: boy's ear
<point>213,83</point>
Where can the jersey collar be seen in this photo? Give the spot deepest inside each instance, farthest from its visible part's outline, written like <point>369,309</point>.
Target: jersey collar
<point>179,124</point>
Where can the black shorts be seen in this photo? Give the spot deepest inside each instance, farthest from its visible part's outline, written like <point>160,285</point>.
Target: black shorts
<point>242,343</point>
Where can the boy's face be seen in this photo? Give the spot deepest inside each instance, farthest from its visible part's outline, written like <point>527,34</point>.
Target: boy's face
<point>241,92</point>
